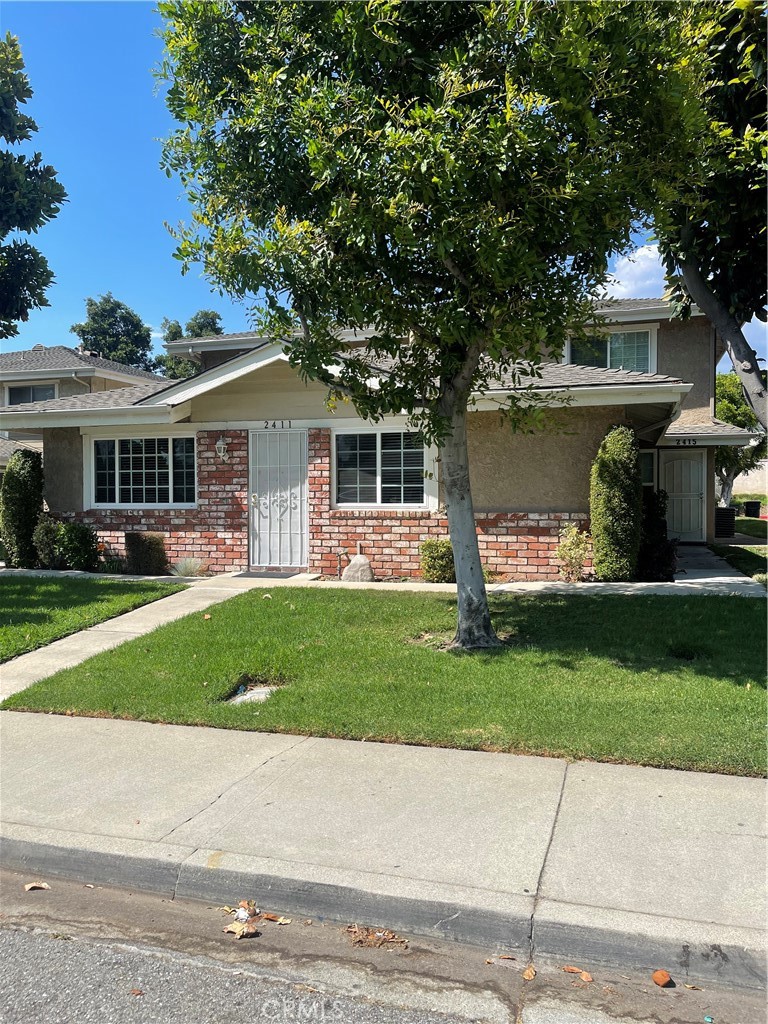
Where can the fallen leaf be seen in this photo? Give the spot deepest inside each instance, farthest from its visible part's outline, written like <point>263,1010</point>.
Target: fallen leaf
<point>529,973</point>
<point>489,961</point>
<point>236,928</point>
<point>505,956</point>
<point>89,885</point>
<point>136,992</point>
<point>276,918</point>
<point>572,970</point>
<point>695,988</point>
<point>206,616</point>
<point>226,909</point>
<point>249,928</point>
<point>36,885</point>
<point>585,976</point>
<point>308,921</point>
<point>375,938</point>
<point>661,978</point>
<point>266,597</point>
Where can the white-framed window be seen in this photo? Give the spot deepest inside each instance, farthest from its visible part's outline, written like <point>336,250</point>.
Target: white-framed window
<point>379,468</point>
<point>21,394</point>
<point>130,472</point>
<point>647,461</point>
<point>632,349</point>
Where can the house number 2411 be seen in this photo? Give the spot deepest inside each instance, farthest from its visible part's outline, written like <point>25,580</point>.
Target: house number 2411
<point>276,424</point>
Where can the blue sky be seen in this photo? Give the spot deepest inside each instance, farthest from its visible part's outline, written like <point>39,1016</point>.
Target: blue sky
<point>101,114</point>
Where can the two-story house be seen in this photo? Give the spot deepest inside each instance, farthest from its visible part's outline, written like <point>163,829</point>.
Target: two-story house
<point>246,466</point>
<point>45,373</point>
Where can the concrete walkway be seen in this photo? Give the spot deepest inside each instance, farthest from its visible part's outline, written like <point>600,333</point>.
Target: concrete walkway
<point>588,862</point>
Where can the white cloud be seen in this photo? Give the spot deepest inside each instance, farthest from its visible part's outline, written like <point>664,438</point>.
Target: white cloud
<point>637,276</point>
<point>155,333</point>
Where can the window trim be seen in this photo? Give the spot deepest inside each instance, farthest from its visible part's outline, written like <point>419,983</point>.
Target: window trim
<point>627,328</point>
<point>430,472</point>
<point>653,452</point>
<point>32,384</point>
<point>89,443</point>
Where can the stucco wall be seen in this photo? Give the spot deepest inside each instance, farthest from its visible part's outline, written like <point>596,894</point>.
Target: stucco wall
<point>536,472</point>
<point>63,468</point>
<point>273,393</point>
<point>685,349</point>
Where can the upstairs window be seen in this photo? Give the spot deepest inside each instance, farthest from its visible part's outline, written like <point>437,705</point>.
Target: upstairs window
<point>21,394</point>
<point>620,350</point>
<point>379,468</point>
<point>144,471</point>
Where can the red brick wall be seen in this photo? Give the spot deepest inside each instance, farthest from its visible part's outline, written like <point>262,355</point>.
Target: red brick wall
<point>216,531</point>
<point>517,545</point>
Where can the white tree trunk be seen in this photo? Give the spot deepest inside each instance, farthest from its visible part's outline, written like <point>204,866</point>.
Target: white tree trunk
<point>725,478</point>
<point>474,629</point>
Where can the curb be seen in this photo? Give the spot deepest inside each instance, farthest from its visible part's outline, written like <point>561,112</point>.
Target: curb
<point>492,920</point>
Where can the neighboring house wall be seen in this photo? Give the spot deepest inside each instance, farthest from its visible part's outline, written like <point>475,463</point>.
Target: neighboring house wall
<point>686,350</point>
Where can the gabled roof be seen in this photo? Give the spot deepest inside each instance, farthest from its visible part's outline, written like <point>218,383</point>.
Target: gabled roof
<point>709,433</point>
<point>52,358</point>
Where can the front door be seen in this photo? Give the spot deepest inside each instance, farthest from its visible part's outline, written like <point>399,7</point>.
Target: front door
<point>279,517</point>
<point>683,475</point>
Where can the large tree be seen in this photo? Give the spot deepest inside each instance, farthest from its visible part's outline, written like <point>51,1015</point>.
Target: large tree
<point>205,323</point>
<point>115,331</point>
<point>712,227</point>
<point>731,461</point>
<point>30,196</point>
<point>453,175</point>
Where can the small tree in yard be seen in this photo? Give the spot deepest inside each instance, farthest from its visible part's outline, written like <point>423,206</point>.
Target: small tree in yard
<point>730,461</point>
<point>615,507</point>
<point>452,175</point>
<point>21,504</point>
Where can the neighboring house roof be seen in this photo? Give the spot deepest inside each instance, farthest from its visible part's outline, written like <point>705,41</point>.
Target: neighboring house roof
<point>116,398</point>
<point>52,358</point>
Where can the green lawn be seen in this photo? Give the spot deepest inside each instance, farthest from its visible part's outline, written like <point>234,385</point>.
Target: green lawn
<point>753,527</point>
<point>34,610</point>
<point>751,561</point>
<point>669,681</point>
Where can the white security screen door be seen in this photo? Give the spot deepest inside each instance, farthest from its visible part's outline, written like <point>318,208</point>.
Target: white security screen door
<point>279,516</point>
<point>682,476</point>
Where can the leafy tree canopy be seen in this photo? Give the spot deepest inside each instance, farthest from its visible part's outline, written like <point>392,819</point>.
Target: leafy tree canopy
<point>730,461</point>
<point>30,196</point>
<point>452,175</point>
<point>115,331</point>
<point>206,323</point>
<point>712,226</point>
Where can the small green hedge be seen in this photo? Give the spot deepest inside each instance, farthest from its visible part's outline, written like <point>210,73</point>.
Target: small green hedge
<point>145,554</point>
<point>21,505</point>
<point>615,506</point>
<point>437,561</point>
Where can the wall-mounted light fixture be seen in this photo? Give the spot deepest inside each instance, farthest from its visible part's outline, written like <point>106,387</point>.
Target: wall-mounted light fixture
<point>221,449</point>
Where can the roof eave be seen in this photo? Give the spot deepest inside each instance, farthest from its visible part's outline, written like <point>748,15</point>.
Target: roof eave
<point>602,394</point>
<point>87,417</point>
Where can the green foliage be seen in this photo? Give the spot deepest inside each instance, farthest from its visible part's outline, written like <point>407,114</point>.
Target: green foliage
<point>113,566</point>
<point>731,407</point>
<point>145,554</point>
<point>615,502</point>
<point>437,561</point>
<point>115,331</point>
<point>46,540</point>
<point>574,549</point>
<point>206,323</point>
<point>657,557</point>
<point>78,547</point>
<point>21,504</point>
<point>715,213</point>
<point>404,166</point>
<point>31,196</point>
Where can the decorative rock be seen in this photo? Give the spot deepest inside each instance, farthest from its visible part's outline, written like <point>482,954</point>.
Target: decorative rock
<point>661,978</point>
<point>358,571</point>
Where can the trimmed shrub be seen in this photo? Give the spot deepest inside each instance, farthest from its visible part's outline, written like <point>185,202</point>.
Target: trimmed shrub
<point>657,557</point>
<point>615,506</point>
<point>78,547</point>
<point>145,554</point>
<point>573,550</point>
<point>46,541</point>
<point>21,505</point>
<point>437,561</point>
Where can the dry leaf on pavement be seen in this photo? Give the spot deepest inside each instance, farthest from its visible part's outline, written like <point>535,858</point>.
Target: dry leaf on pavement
<point>695,988</point>
<point>276,918</point>
<point>375,938</point>
<point>572,970</point>
<point>136,992</point>
<point>36,885</point>
<point>585,976</point>
<point>529,973</point>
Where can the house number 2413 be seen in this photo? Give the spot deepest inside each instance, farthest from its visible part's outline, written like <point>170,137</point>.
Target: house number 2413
<point>276,424</point>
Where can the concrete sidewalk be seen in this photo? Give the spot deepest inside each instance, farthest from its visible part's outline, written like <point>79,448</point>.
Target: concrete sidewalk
<point>589,862</point>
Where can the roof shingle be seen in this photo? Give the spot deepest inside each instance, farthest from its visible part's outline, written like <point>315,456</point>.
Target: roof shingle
<point>59,357</point>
